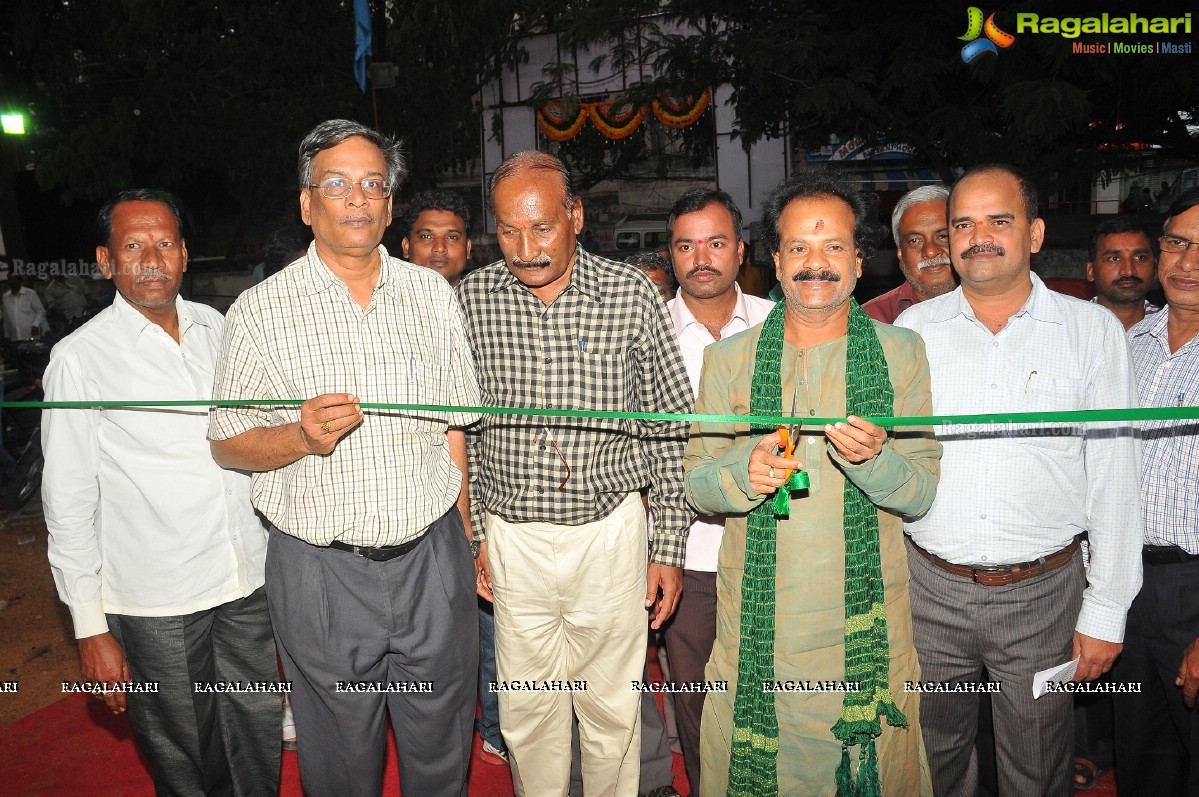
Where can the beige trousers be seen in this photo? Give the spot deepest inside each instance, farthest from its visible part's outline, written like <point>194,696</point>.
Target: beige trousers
<point>570,632</point>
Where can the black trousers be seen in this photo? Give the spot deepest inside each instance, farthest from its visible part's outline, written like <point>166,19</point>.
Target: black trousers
<point>1157,736</point>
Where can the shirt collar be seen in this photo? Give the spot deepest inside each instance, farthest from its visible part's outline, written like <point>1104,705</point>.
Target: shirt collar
<point>583,276</point>
<point>132,323</point>
<point>1041,304</point>
<point>318,277</point>
<point>682,316</point>
<point>1154,326</point>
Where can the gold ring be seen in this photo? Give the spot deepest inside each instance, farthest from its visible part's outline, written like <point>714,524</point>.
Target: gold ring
<point>772,473</point>
<point>325,427</point>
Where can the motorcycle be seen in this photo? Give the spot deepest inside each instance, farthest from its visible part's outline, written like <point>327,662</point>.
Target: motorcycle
<point>22,426</point>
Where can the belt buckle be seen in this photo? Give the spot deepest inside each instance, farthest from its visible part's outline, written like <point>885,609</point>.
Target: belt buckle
<point>994,570</point>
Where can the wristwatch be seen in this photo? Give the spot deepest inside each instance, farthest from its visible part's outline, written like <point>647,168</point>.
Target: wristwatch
<point>475,547</point>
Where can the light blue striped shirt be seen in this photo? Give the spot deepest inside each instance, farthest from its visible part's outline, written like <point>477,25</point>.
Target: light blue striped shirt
<point>1014,493</point>
<point>1170,475</point>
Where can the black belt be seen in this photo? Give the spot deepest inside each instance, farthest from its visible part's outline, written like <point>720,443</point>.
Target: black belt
<point>1166,555</point>
<point>384,554</point>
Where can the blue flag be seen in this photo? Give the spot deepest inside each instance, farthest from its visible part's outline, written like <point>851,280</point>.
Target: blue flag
<point>362,40</point>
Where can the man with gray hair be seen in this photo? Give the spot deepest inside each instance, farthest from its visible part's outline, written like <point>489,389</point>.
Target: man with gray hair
<point>920,225</point>
<point>368,570</point>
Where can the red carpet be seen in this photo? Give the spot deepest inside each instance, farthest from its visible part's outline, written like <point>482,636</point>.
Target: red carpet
<point>75,746</point>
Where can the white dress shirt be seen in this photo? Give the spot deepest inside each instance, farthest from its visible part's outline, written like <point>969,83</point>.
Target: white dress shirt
<point>703,539</point>
<point>1013,493</point>
<point>142,521</point>
<point>22,312</point>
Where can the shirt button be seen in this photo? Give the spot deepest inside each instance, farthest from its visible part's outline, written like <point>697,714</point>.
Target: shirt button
<point>983,559</point>
<point>995,344</point>
<point>811,440</point>
<point>994,386</point>
<point>811,412</point>
<point>549,359</point>
<point>542,447</point>
<point>983,516</point>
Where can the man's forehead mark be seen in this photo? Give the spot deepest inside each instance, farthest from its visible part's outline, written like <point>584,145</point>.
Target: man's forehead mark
<point>819,225</point>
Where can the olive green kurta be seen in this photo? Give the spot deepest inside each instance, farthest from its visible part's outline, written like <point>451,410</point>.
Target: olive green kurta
<point>810,598</point>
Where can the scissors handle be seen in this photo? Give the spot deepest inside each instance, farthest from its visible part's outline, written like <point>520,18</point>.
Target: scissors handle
<point>789,438</point>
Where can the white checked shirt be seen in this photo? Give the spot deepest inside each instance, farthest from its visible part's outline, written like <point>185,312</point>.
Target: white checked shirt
<point>300,334</point>
<point>142,521</point>
<point>703,540</point>
<point>1012,494</point>
<point>1170,476</point>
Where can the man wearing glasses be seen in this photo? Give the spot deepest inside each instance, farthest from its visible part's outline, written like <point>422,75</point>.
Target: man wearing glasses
<point>1157,730</point>
<point>560,527</point>
<point>369,574</point>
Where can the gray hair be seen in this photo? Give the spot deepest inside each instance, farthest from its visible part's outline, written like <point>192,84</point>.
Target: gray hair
<point>925,193</point>
<point>532,160</point>
<point>330,133</point>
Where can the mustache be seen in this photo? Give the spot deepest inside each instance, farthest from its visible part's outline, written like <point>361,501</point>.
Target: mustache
<point>152,275</point>
<point>809,274</point>
<point>541,261</point>
<point>370,217</point>
<point>932,262</point>
<point>702,270</point>
<point>979,249</point>
<point>1131,279</point>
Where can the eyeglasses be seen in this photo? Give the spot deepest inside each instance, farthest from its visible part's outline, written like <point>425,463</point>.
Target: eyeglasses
<point>340,188</point>
<point>1172,243</point>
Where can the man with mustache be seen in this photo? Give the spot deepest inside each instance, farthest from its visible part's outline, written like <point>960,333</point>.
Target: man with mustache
<point>811,583</point>
<point>920,226</point>
<point>1157,729</point>
<point>369,571</point>
<point>154,548</point>
<point>559,525</point>
<point>706,249</point>
<point>1121,264</point>
<point>1002,536</point>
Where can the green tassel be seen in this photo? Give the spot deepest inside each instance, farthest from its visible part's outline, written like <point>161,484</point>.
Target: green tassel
<point>868,783</point>
<point>843,777</point>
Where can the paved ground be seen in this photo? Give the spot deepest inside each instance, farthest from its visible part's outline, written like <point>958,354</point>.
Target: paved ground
<point>37,645</point>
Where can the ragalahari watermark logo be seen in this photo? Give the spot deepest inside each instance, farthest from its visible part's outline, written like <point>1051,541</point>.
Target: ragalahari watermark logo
<point>992,38</point>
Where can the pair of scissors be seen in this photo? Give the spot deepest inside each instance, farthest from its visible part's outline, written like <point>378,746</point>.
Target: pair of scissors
<point>790,434</point>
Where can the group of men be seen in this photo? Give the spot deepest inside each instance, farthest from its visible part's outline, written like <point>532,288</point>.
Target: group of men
<point>827,577</point>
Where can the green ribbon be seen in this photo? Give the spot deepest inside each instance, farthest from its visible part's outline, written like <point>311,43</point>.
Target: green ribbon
<point>798,480</point>
<point>989,419</point>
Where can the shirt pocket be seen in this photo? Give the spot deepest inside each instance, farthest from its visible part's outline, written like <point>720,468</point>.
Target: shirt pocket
<point>1051,394</point>
<point>602,382</point>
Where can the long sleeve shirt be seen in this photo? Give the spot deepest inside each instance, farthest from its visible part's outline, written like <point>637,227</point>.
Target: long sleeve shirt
<point>141,520</point>
<point>605,343</point>
<point>1170,470</point>
<point>1014,493</point>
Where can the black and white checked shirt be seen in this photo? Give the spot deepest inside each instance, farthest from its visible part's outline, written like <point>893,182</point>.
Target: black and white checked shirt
<point>605,343</point>
<point>300,334</point>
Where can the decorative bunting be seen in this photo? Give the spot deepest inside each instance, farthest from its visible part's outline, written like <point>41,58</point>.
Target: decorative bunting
<point>618,120</point>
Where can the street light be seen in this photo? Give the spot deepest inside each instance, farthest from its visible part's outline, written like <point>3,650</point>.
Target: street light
<point>13,124</point>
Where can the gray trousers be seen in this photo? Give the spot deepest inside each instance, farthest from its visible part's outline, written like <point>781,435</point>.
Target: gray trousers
<point>409,623</point>
<point>203,742</point>
<point>1014,631</point>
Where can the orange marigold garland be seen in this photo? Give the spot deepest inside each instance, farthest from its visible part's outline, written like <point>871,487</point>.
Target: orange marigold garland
<point>681,114</point>
<point>618,120</point>
<point>616,125</point>
<point>555,125</point>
